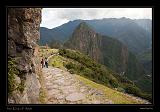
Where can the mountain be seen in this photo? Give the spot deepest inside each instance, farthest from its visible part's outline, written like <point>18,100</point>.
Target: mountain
<point>135,34</point>
<point>105,50</point>
<point>81,64</point>
<point>85,40</point>
<point>61,33</point>
<point>45,36</point>
<point>135,37</point>
<point>146,59</point>
<point>146,24</point>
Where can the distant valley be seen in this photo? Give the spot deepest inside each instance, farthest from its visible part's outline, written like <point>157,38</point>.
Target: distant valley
<point>124,45</point>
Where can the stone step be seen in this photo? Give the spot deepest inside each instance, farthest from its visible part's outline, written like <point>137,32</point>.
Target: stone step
<point>75,97</point>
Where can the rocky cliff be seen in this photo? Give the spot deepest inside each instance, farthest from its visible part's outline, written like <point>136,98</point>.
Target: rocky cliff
<point>87,41</point>
<point>102,49</point>
<point>23,33</point>
<point>106,50</point>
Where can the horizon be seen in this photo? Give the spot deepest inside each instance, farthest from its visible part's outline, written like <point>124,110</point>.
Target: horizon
<point>54,17</point>
<point>93,19</point>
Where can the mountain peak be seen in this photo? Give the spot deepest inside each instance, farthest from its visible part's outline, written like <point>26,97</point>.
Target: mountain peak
<point>83,25</point>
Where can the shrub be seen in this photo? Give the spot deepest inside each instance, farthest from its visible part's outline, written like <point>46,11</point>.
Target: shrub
<point>137,92</point>
<point>147,96</point>
<point>53,64</point>
<point>87,72</point>
<point>113,83</point>
<point>62,52</point>
<point>120,89</point>
<point>72,71</point>
<point>70,65</point>
<point>131,89</point>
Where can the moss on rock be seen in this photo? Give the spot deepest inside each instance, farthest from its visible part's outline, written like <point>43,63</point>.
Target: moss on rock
<point>12,71</point>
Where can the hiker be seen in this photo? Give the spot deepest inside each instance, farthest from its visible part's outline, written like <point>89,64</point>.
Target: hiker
<point>46,62</point>
<point>42,62</point>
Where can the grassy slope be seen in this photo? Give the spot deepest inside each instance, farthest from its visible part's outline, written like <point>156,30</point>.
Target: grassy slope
<point>57,61</point>
<point>47,52</point>
<point>115,96</point>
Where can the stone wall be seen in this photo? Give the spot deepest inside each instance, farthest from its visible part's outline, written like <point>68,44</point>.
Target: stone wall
<point>23,33</point>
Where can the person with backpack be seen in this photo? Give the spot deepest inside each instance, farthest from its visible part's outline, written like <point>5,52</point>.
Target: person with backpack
<point>46,62</point>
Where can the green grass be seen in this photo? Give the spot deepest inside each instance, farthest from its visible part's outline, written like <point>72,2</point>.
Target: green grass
<point>42,96</point>
<point>47,52</point>
<point>115,96</point>
<point>88,67</point>
<point>56,61</point>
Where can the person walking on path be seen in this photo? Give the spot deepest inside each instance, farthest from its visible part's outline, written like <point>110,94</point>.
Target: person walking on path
<point>42,63</point>
<point>46,62</point>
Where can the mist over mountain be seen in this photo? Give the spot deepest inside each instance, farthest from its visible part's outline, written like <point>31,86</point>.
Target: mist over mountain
<point>135,34</point>
<point>105,50</point>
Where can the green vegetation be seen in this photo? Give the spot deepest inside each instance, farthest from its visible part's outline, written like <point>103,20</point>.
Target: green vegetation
<point>134,69</point>
<point>46,52</point>
<point>145,83</point>
<point>136,91</point>
<point>83,65</point>
<point>42,96</point>
<point>21,86</point>
<point>146,59</point>
<point>56,61</point>
<point>107,51</point>
<point>55,44</point>
<point>132,89</point>
<point>12,71</point>
<point>42,90</point>
<point>89,68</point>
<point>146,55</point>
<point>115,96</point>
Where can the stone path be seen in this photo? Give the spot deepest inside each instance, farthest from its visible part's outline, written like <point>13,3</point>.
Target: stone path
<point>65,88</point>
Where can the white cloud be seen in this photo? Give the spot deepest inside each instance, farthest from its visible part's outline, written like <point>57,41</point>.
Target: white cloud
<point>53,17</point>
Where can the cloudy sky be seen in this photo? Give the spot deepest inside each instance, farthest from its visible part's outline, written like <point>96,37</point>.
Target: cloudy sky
<point>53,17</point>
